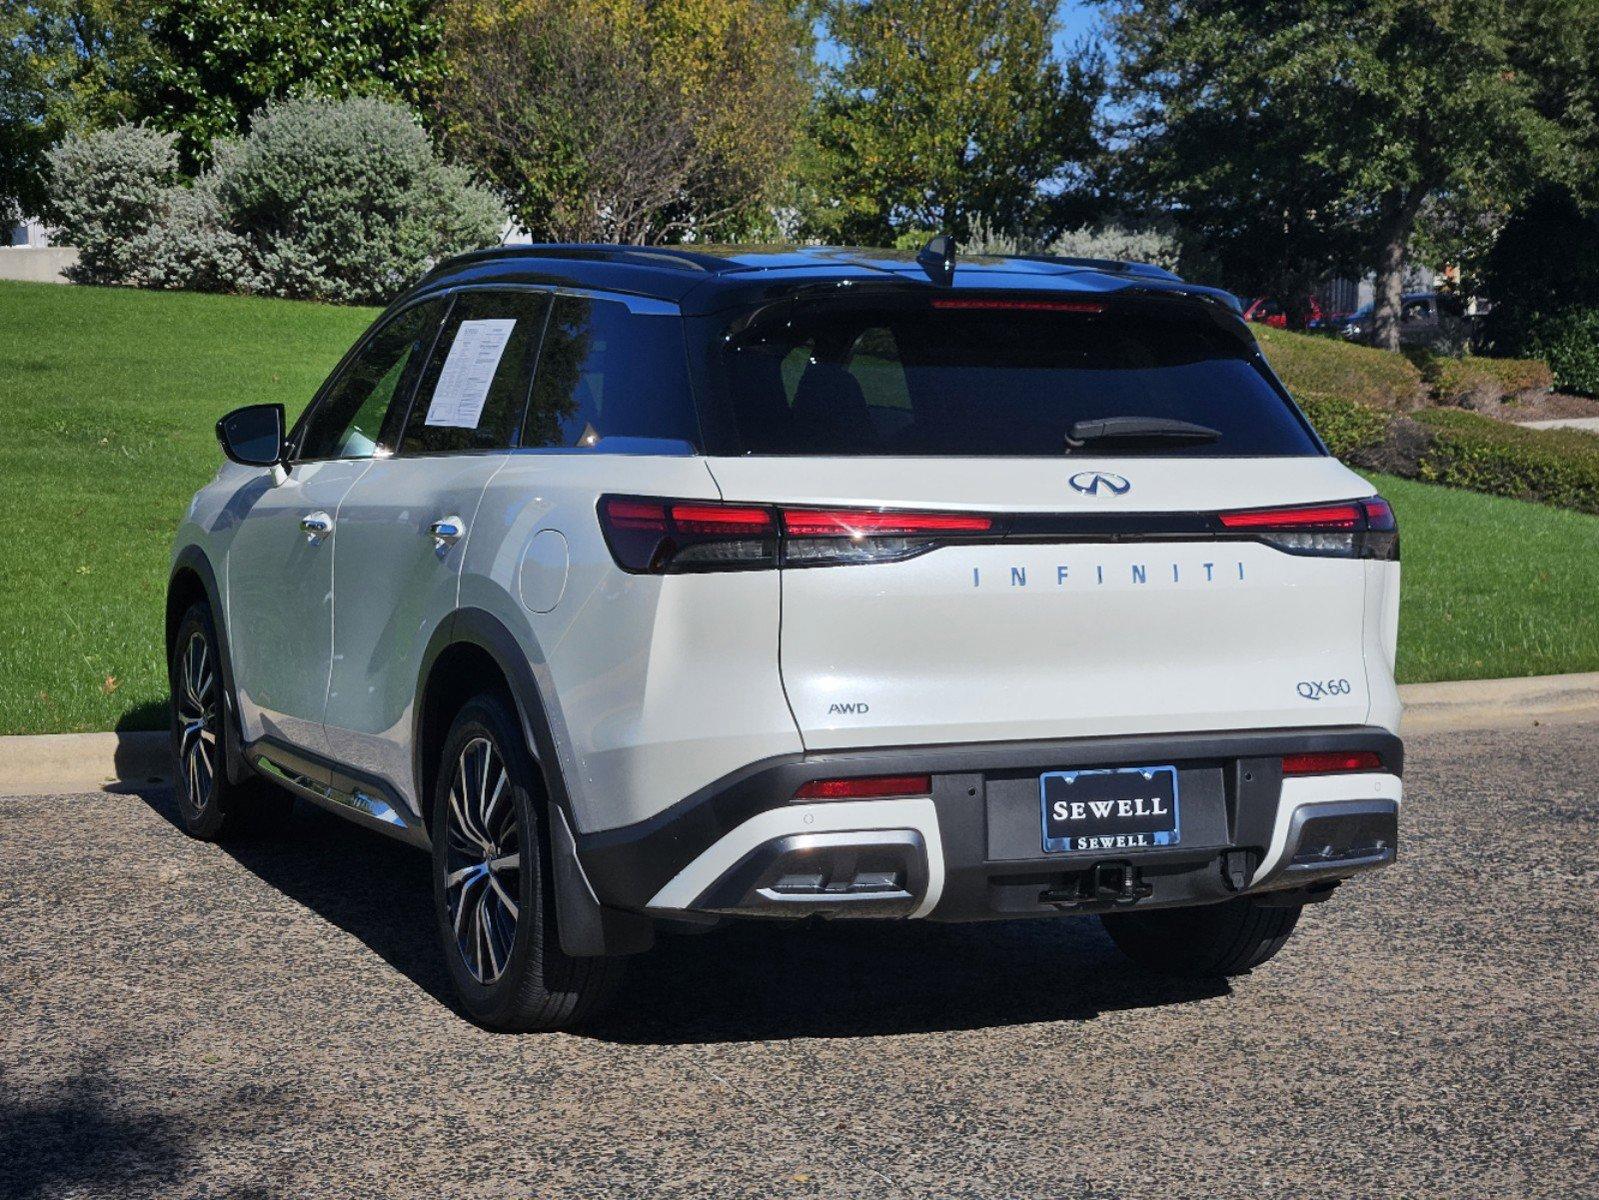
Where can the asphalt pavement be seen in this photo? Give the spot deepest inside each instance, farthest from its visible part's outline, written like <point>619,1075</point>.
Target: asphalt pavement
<point>270,1019</point>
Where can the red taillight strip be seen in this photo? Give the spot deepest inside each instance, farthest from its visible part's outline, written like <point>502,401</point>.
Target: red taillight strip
<point>851,522</point>
<point>866,787</point>
<point>636,514</point>
<point>1331,762</point>
<point>976,302</point>
<point>1321,516</point>
<point>1379,514</point>
<point>721,518</point>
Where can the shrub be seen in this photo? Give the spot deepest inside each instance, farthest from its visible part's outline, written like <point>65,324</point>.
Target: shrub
<point>347,201</point>
<point>1569,339</point>
<point>1315,366</point>
<point>1554,466</point>
<point>1346,427</point>
<point>1472,382</point>
<point>1116,242</point>
<point>105,191</point>
<point>191,245</point>
<point>326,200</point>
<point>1461,449</point>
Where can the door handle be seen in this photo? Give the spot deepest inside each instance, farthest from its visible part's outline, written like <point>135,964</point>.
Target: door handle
<point>446,531</point>
<point>316,525</point>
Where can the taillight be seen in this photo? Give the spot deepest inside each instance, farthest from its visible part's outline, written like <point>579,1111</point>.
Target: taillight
<point>662,537</point>
<point>1347,529</point>
<point>866,787</point>
<point>1331,762</point>
<point>848,535</point>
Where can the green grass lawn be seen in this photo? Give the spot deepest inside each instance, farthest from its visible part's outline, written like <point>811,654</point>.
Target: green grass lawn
<point>1492,587</point>
<point>109,398</point>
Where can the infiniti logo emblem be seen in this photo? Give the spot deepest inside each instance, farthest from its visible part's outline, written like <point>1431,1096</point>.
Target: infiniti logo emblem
<point>1090,482</point>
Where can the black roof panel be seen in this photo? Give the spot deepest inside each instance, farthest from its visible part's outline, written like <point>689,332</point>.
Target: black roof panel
<point>704,278</point>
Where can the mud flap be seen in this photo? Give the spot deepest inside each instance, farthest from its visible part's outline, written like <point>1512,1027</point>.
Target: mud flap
<point>588,929</point>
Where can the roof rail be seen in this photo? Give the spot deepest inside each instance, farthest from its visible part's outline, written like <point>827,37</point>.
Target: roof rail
<point>1112,265</point>
<point>670,257</point>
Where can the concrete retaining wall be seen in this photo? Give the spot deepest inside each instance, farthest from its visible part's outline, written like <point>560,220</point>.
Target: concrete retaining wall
<point>36,264</point>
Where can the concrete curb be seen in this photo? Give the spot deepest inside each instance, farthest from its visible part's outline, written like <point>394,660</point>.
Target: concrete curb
<point>58,763</point>
<point>1495,703</point>
<point>48,763</point>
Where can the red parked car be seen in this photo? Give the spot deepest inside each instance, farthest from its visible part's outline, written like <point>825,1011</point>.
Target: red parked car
<point>1269,312</point>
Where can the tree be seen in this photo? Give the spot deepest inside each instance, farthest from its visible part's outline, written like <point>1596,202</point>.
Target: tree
<point>1320,131</point>
<point>1560,54</point>
<point>941,111</point>
<point>624,120</point>
<point>218,61</point>
<point>65,66</point>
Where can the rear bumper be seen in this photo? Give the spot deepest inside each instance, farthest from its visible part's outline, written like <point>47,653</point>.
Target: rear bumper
<point>970,850</point>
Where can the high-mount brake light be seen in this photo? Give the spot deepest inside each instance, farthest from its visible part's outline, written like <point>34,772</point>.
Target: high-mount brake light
<point>1332,762</point>
<point>866,787</point>
<point>1347,529</point>
<point>1090,307</point>
<point>664,537</point>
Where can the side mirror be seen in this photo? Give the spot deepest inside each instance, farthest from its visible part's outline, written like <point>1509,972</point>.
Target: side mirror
<point>253,435</point>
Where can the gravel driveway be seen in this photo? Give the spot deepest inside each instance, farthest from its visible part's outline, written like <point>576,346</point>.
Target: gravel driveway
<point>269,1019</point>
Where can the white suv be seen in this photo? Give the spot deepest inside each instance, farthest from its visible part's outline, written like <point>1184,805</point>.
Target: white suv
<point>656,587</point>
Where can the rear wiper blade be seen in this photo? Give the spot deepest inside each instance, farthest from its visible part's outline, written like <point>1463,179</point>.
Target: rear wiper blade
<point>1137,429</point>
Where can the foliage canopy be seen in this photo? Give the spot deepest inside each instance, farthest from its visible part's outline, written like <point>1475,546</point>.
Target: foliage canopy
<point>940,111</point>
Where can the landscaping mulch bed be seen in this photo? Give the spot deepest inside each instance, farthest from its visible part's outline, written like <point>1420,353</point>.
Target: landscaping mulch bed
<point>1550,406</point>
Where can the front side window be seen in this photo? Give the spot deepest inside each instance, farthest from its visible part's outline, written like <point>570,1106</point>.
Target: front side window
<point>606,371</point>
<point>997,376</point>
<point>475,387</point>
<point>360,413</point>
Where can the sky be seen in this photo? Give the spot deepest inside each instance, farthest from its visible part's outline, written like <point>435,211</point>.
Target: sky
<point>1077,18</point>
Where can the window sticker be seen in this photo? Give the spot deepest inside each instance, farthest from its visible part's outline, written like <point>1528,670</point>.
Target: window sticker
<point>468,373</point>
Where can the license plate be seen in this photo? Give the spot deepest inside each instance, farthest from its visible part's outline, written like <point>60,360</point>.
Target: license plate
<point>1128,808</point>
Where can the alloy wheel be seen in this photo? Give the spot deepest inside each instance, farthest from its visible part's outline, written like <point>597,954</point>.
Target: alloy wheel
<point>483,860</point>
<point>196,705</point>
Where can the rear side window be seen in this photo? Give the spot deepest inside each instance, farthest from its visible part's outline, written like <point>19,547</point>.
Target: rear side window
<point>996,377</point>
<point>361,411</point>
<point>476,385</point>
<point>608,372</point>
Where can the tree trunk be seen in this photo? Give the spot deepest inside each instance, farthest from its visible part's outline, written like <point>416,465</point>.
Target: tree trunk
<point>1389,291</point>
<point>1388,294</point>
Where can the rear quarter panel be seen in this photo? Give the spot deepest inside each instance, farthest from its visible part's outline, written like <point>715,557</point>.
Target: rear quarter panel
<point>653,686</point>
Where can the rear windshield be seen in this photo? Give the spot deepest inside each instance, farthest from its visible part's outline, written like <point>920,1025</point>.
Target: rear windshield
<point>995,377</point>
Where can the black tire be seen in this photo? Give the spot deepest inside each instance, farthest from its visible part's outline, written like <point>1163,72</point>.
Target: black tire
<point>504,958</point>
<point>1209,941</point>
<point>210,806</point>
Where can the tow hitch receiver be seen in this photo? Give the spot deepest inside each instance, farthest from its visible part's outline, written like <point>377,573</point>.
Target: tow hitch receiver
<point>1114,883</point>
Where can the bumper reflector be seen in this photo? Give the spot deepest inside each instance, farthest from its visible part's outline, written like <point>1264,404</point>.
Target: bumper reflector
<point>1331,762</point>
<point>866,787</point>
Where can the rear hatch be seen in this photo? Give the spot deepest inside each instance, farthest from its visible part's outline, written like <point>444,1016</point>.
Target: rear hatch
<point>968,556</point>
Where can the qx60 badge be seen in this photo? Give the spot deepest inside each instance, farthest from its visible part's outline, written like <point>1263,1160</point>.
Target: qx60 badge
<point>1090,483</point>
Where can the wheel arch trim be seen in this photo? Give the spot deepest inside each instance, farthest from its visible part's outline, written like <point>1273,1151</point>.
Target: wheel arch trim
<point>192,561</point>
<point>586,927</point>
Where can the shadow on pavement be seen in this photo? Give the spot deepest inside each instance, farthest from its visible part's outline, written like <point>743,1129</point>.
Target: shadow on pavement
<point>75,1140</point>
<point>375,889</point>
<point>750,982</point>
<point>747,981</point>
